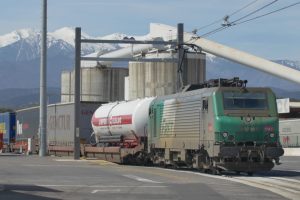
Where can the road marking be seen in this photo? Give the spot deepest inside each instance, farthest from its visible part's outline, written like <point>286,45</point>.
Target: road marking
<point>154,171</point>
<point>110,190</point>
<point>101,162</point>
<point>286,179</point>
<point>140,179</point>
<point>39,165</point>
<point>105,186</point>
<point>69,160</point>
<point>93,161</point>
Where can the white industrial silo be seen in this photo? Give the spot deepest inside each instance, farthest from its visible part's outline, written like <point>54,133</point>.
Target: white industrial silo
<point>97,84</point>
<point>148,79</point>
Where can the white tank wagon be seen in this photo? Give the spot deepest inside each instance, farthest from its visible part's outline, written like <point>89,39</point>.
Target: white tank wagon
<point>121,122</point>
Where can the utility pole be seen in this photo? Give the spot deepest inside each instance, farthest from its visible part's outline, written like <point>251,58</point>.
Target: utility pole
<point>43,86</point>
<point>77,93</point>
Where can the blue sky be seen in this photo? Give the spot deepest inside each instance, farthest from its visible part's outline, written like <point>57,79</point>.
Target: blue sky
<point>276,36</point>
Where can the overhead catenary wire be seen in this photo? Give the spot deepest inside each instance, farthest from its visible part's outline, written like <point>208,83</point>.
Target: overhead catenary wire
<point>255,11</point>
<point>246,6</point>
<point>233,13</point>
<point>263,15</point>
<point>230,23</point>
<point>226,17</point>
<point>234,23</point>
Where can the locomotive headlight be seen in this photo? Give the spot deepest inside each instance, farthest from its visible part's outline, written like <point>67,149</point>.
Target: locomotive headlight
<point>225,134</point>
<point>272,135</point>
<point>248,119</point>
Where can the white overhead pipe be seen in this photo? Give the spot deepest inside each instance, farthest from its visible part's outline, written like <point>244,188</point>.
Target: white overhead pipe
<point>169,32</point>
<point>126,52</point>
<point>248,59</point>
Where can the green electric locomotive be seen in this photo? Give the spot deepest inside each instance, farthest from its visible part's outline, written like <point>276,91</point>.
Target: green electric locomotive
<point>222,126</point>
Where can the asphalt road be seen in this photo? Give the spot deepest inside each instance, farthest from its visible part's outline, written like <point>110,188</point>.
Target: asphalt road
<point>31,177</point>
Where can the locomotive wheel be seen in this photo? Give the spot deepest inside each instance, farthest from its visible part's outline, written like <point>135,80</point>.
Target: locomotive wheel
<point>162,164</point>
<point>250,173</point>
<point>215,171</point>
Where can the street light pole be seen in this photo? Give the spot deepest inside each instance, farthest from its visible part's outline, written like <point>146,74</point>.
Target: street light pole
<point>77,94</point>
<point>43,87</point>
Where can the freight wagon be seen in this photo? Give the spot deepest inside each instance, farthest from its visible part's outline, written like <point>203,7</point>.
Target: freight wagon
<point>7,129</point>
<point>27,124</point>
<point>60,126</point>
<point>290,132</point>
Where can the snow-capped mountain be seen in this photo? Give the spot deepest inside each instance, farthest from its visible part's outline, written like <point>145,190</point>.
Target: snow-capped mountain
<point>24,45</point>
<point>15,36</point>
<point>289,63</point>
<point>20,54</point>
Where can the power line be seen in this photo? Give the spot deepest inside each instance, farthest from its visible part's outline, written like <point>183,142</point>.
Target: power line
<point>234,24</point>
<point>274,11</point>
<point>280,9</point>
<point>208,25</point>
<point>233,13</point>
<point>220,20</point>
<point>228,24</point>
<point>255,11</point>
<point>246,6</point>
<point>213,31</point>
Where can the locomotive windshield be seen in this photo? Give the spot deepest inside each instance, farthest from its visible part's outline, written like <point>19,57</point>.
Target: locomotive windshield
<point>235,100</point>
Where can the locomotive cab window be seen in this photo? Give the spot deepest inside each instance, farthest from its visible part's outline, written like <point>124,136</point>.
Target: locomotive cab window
<point>234,100</point>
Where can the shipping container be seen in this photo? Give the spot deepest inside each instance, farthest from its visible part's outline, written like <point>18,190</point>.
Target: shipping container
<point>60,123</point>
<point>1,141</point>
<point>27,123</point>
<point>8,127</point>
